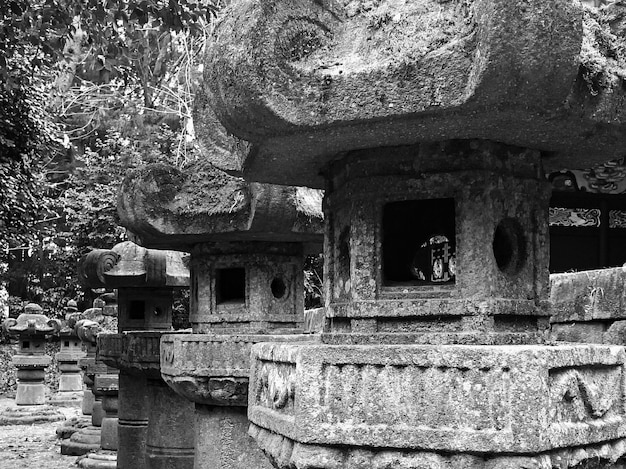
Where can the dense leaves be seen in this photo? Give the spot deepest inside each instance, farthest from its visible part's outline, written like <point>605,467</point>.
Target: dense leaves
<point>88,89</point>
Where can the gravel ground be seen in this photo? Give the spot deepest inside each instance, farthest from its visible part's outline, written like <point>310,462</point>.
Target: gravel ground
<point>34,446</point>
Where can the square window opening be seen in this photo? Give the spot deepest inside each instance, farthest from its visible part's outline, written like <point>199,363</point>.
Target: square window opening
<point>230,286</point>
<point>419,244</point>
<point>136,309</point>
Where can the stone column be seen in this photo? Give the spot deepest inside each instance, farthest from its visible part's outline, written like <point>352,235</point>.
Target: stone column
<point>170,438</point>
<point>159,432</point>
<point>134,406</point>
<point>108,386</point>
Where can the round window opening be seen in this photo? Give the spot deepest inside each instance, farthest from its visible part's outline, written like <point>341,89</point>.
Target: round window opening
<point>509,246</point>
<point>278,288</point>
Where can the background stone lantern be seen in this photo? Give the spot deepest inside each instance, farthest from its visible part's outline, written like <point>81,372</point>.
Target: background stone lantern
<point>428,125</point>
<point>88,438</point>
<point>70,379</point>
<point>154,428</point>
<point>247,246</point>
<point>31,329</point>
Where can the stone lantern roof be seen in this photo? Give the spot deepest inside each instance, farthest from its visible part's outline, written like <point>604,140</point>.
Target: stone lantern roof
<point>130,265</point>
<point>305,81</point>
<point>165,207</point>
<point>29,323</point>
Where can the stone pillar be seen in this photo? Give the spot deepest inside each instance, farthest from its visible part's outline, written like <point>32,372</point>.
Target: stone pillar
<point>436,299</point>
<point>428,124</point>
<point>133,411</point>
<point>170,438</point>
<point>30,329</point>
<point>145,281</point>
<point>107,385</point>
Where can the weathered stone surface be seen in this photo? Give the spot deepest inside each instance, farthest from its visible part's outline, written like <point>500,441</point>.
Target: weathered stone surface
<point>129,265</point>
<point>495,196</point>
<point>29,415</point>
<point>135,352</point>
<point>212,369</point>
<point>285,454</point>
<point>165,207</point>
<point>314,320</point>
<point>132,427</point>
<point>588,332</point>
<point>306,80</point>
<point>271,287</point>
<point>223,432</point>
<point>82,442</point>
<point>476,399</point>
<point>103,459</point>
<point>170,437</point>
<point>589,295</point>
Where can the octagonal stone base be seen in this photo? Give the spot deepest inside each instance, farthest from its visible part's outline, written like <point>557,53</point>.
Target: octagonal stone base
<point>325,406</point>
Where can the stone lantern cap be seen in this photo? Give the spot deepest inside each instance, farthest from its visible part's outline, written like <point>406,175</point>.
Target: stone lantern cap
<point>305,80</point>
<point>166,207</point>
<point>87,330</point>
<point>29,323</point>
<point>130,265</point>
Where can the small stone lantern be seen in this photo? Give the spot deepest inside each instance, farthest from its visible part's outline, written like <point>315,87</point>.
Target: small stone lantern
<point>153,425</point>
<point>31,329</point>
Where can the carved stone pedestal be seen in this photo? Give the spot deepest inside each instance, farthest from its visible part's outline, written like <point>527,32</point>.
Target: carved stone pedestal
<point>212,371</point>
<point>328,406</point>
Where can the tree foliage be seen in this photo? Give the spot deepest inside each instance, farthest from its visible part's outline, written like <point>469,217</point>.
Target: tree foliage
<point>88,89</point>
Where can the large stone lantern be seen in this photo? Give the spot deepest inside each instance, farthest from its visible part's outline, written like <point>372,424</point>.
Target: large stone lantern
<point>247,244</point>
<point>428,124</point>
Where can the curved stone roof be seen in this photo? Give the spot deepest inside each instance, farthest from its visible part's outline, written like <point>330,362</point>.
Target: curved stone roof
<point>166,207</point>
<point>306,80</point>
<point>130,265</point>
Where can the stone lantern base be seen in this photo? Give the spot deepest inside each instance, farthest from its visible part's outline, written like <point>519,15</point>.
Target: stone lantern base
<point>82,442</point>
<point>414,406</point>
<point>103,459</point>
<point>29,415</point>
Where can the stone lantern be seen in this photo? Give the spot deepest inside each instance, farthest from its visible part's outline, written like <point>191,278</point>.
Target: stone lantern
<point>247,245</point>
<point>88,439</point>
<point>153,427</point>
<point>70,379</point>
<point>31,329</point>
<point>428,124</point>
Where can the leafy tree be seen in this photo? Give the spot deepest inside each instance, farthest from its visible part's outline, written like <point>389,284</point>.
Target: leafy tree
<point>116,76</point>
